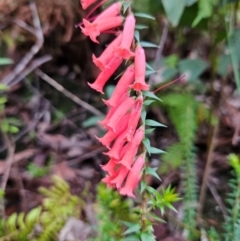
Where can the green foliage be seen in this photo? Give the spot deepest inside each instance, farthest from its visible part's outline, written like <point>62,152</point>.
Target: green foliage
<point>205,10</point>
<point>232,223</point>
<point>111,209</point>
<point>44,222</point>
<point>183,112</point>
<point>37,171</point>
<point>163,200</point>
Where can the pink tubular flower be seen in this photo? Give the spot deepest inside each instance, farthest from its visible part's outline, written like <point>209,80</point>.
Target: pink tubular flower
<point>122,86</point>
<point>117,146</point>
<point>110,166</point>
<point>121,110</point>
<point>86,3</point>
<point>133,177</point>
<point>107,139</point>
<point>96,27</point>
<point>140,70</point>
<point>127,39</point>
<point>134,118</point>
<point>106,74</point>
<point>102,61</point>
<point>112,11</point>
<point>130,153</point>
<point>112,110</point>
<point>118,180</point>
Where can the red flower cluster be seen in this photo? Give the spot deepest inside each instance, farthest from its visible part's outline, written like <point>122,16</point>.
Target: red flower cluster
<point>123,137</point>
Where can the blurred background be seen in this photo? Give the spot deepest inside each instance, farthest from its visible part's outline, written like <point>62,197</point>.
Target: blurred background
<point>50,176</point>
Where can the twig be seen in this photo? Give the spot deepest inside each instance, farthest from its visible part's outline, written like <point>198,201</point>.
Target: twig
<point>34,49</point>
<point>33,65</point>
<point>218,199</point>
<point>159,52</point>
<point>207,171</point>
<point>86,156</point>
<point>67,93</point>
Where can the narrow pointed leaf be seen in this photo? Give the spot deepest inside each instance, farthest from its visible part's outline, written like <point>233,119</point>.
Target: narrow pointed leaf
<point>151,95</point>
<point>152,171</point>
<point>154,150</point>
<point>146,143</point>
<point>137,36</point>
<point>141,26</point>
<point>149,131</point>
<point>149,72</point>
<point>146,44</point>
<point>153,123</point>
<point>134,228</point>
<point>148,102</point>
<point>144,15</point>
<point>126,6</point>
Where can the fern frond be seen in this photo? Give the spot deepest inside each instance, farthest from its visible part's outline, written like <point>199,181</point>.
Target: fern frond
<point>182,110</point>
<point>232,223</point>
<point>58,205</point>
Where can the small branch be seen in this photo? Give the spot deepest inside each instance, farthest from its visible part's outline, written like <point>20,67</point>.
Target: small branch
<point>33,65</point>
<point>202,196</point>
<point>218,199</point>
<point>159,51</point>
<point>34,49</point>
<point>68,94</point>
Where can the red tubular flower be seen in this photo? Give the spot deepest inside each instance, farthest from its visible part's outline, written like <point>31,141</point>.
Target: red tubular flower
<point>107,139</point>
<point>133,177</point>
<point>112,11</point>
<point>127,39</point>
<point>110,166</point>
<point>112,110</point>
<point>86,3</point>
<point>130,153</point>
<point>102,61</point>
<point>106,74</point>
<point>121,87</point>
<point>121,110</point>
<point>140,70</point>
<point>117,146</point>
<point>134,118</point>
<point>96,27</point>
<point>118,180</point>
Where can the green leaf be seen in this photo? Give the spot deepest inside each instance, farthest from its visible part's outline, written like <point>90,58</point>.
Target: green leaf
<point>151,95</point>
<point>147,237</point>
<point>92,121</point>
<point>193,68</point>
<point>3,87</point>
<point>5,61</point>
<point>149,122</point>
<point>13,129</point>
<point>143,116</point>
<point>137,36</point>
<point>126,6</point>
<point>144,15</point>
<point>134,228</point>
<point>169,73</point>
<point>140,27</point>
<point>152,171</point>
<point>109,90</point>
<point>147,144</point>
<point>3,100</point>
<point>149,67</point>
<point>146,44</point>
<point>143,186</point>
<point>154,150</point>
<point>148,102</point>
<point>149,131</point>
<point>152,215</point>
<point>174,10</point>
<point>149,72</point>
